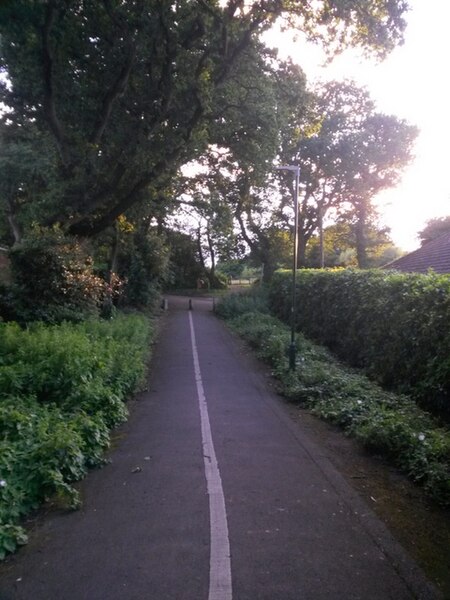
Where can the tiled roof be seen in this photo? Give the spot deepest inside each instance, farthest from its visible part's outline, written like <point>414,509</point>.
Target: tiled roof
<point>433,255</point>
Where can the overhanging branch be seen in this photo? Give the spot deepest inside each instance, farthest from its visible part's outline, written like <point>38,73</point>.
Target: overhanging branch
<point>49,92</point>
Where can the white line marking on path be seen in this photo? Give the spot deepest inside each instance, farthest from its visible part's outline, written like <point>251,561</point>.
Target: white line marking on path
<point>219,561</point>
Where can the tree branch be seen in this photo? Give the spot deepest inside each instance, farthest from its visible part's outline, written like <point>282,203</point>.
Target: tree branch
<point>49,97</point>
<point>114,93</point>
<point>86,226</point>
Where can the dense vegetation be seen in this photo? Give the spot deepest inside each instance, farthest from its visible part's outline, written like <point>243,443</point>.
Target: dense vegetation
<point>62,388</point>
<point>388,424</point>
<point>138,144</point>
<point>393,325</point>
<point>104,105</point>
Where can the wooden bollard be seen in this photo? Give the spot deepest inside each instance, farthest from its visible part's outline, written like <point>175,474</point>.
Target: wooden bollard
<point>190,303</point>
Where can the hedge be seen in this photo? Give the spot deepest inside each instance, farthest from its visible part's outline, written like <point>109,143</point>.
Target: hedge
<point>393,325</point>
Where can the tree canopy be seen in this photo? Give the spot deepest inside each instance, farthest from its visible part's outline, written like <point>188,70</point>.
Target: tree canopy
<point>434,228</point>
<point>106,103</point>
<point>347,153</point>
<point>119,94</point>
<point>354,153</point>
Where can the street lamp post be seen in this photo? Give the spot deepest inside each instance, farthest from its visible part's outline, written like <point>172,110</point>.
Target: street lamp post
<point>292,348</point>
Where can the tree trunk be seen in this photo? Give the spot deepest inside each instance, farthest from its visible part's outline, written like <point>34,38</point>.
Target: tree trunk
<point>212,254</point>
<point>360,232</point>
<point>268,270</point>
<point>114,257</point>
<point>321,247</point>
<point>199,247</point>
<point>301,249</point>
<point>15,228</point>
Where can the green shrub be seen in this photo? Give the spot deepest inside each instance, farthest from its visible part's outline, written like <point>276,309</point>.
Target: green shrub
<point>394,326</point>
<point>143,266</point>
<point>218,281</point>
<point>53,280</point>
<point>234,304</point>
<point>61,389</point>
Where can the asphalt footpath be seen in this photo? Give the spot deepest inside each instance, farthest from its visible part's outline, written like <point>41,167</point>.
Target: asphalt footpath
<point>212,493</point>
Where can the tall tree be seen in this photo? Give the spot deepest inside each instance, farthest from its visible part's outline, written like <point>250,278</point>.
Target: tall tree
<point>351,154</point>
<point>215,227</point>
<point>346,150</point>
<point>434,228</point>
<point>339,242</point>
<point>126,90</point>
<point>246,178</point>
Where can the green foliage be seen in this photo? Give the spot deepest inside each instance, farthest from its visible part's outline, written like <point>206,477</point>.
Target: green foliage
<point>388,424</point>
<point>393,325</point>
<point>434,228</point>
<point>232,269</point>
<point>218,280</point>
<point>339,245</point>
<point>123,93</point>
<point>27,162</point>
<point>144,267</point>
<point>61,389</point>
<point>185,266</point>
<point>53,279</point>
<point>350,154</point>
<point>233,305</point>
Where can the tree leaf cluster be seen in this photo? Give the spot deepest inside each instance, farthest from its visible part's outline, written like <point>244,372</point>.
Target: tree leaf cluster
<point>355,153</point>
<point>105,102</point>
<point>347,153</point>
<point>53,280</point>
<point>434,228</point>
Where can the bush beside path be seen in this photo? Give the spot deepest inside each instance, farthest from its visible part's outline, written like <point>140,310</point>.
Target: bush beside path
<point>62,389</point>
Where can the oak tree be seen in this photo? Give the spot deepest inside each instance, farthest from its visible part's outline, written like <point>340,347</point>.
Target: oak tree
<point>125,91</point>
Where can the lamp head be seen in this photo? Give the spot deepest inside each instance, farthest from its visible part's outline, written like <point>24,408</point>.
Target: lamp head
<point>294,168</point>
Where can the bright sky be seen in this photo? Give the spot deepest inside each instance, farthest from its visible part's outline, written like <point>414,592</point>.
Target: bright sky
<point>412,83</point>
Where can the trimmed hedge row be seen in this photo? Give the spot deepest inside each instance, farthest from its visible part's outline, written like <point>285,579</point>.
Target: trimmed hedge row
<point>394,326</point>
<point>62,388</point>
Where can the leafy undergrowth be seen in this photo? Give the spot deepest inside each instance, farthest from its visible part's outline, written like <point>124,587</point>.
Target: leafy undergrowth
<point>388,424</point>
<point>392,325</point>
<point>62,388</point>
